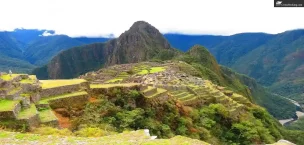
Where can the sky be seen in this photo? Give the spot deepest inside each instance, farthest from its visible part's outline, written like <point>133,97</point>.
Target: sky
<point>95,18</point>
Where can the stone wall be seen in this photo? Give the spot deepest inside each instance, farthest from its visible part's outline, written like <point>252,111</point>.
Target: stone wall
<point>69,102</point>
<point>171,87</point>
<point>30,87</point>
<point>42,106</point>
<point>31,122</point>
<point>35,97</point>
<point>106,91</point>
<point>195,102</point>
<point>25,102</point>
<point>63,90</point>
<point>53,123</point>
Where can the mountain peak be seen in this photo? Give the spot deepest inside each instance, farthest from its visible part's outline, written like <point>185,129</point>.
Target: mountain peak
<point>141,25</point>
<point>142,32</point>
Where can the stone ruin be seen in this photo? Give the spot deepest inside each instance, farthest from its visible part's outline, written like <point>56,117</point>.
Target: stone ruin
<point>17,92</point>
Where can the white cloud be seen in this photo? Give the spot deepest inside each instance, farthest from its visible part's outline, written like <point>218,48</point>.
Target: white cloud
<point>47,33</point>
<point>106,17</point>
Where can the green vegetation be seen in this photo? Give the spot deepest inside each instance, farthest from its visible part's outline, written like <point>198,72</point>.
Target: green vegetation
<point>297,125</point>
<point>8,105</point>
<point>46,84</point>
<point>47,116</point>
<point>27,113</point>
<point>45,101</point>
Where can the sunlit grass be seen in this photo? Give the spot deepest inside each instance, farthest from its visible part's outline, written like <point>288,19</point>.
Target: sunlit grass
<point>157,69</point>
<point>58,83</point>
<point>8,105</point>
<point>47,116</point>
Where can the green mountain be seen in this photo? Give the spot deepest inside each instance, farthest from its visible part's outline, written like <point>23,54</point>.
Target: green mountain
<point>9,46</point>
<point>226,49</point>
<point>277,64</point>
<point>41,50</point>
<point>11,56</point>
<point>23,49</point>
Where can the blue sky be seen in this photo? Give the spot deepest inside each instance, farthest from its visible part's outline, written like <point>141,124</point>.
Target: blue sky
<point>106,17</point>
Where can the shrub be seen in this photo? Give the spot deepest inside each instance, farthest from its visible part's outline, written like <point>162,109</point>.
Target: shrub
<point>90,132</point>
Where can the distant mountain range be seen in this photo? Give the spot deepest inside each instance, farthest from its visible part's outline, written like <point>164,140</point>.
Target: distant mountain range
<point>274,60</point>
<point>22,50</point>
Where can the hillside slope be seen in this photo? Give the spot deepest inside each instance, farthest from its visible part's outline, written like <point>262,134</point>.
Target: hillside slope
<point>203,60</point>
<point>41,50</point>
<point>277,64</point>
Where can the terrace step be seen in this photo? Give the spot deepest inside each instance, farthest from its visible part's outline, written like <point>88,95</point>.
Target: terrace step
<point>29,117</point>
<point>189,96</point>
<point>189,100</point>
<point>63,100</point>
<point>176,92</point>
<point>223,100</point>
<point>9,109</point>
<point>47,117</point>
<point>183,94</point>
<point>27,113</point>
<point>58,87</point>
<point>158,93</point>
<point>149,91</point>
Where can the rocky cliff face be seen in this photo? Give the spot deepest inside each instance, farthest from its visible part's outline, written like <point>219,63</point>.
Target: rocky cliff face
<point>140,43</point>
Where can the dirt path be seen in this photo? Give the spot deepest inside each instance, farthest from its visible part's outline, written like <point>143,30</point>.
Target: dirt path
<point>64,122</point>
<point>92,99</point>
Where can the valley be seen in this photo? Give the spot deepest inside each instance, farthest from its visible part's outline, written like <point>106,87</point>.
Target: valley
<point>22,50</point>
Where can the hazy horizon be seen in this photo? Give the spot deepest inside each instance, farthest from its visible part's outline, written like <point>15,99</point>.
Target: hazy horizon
<point>96,18</point>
